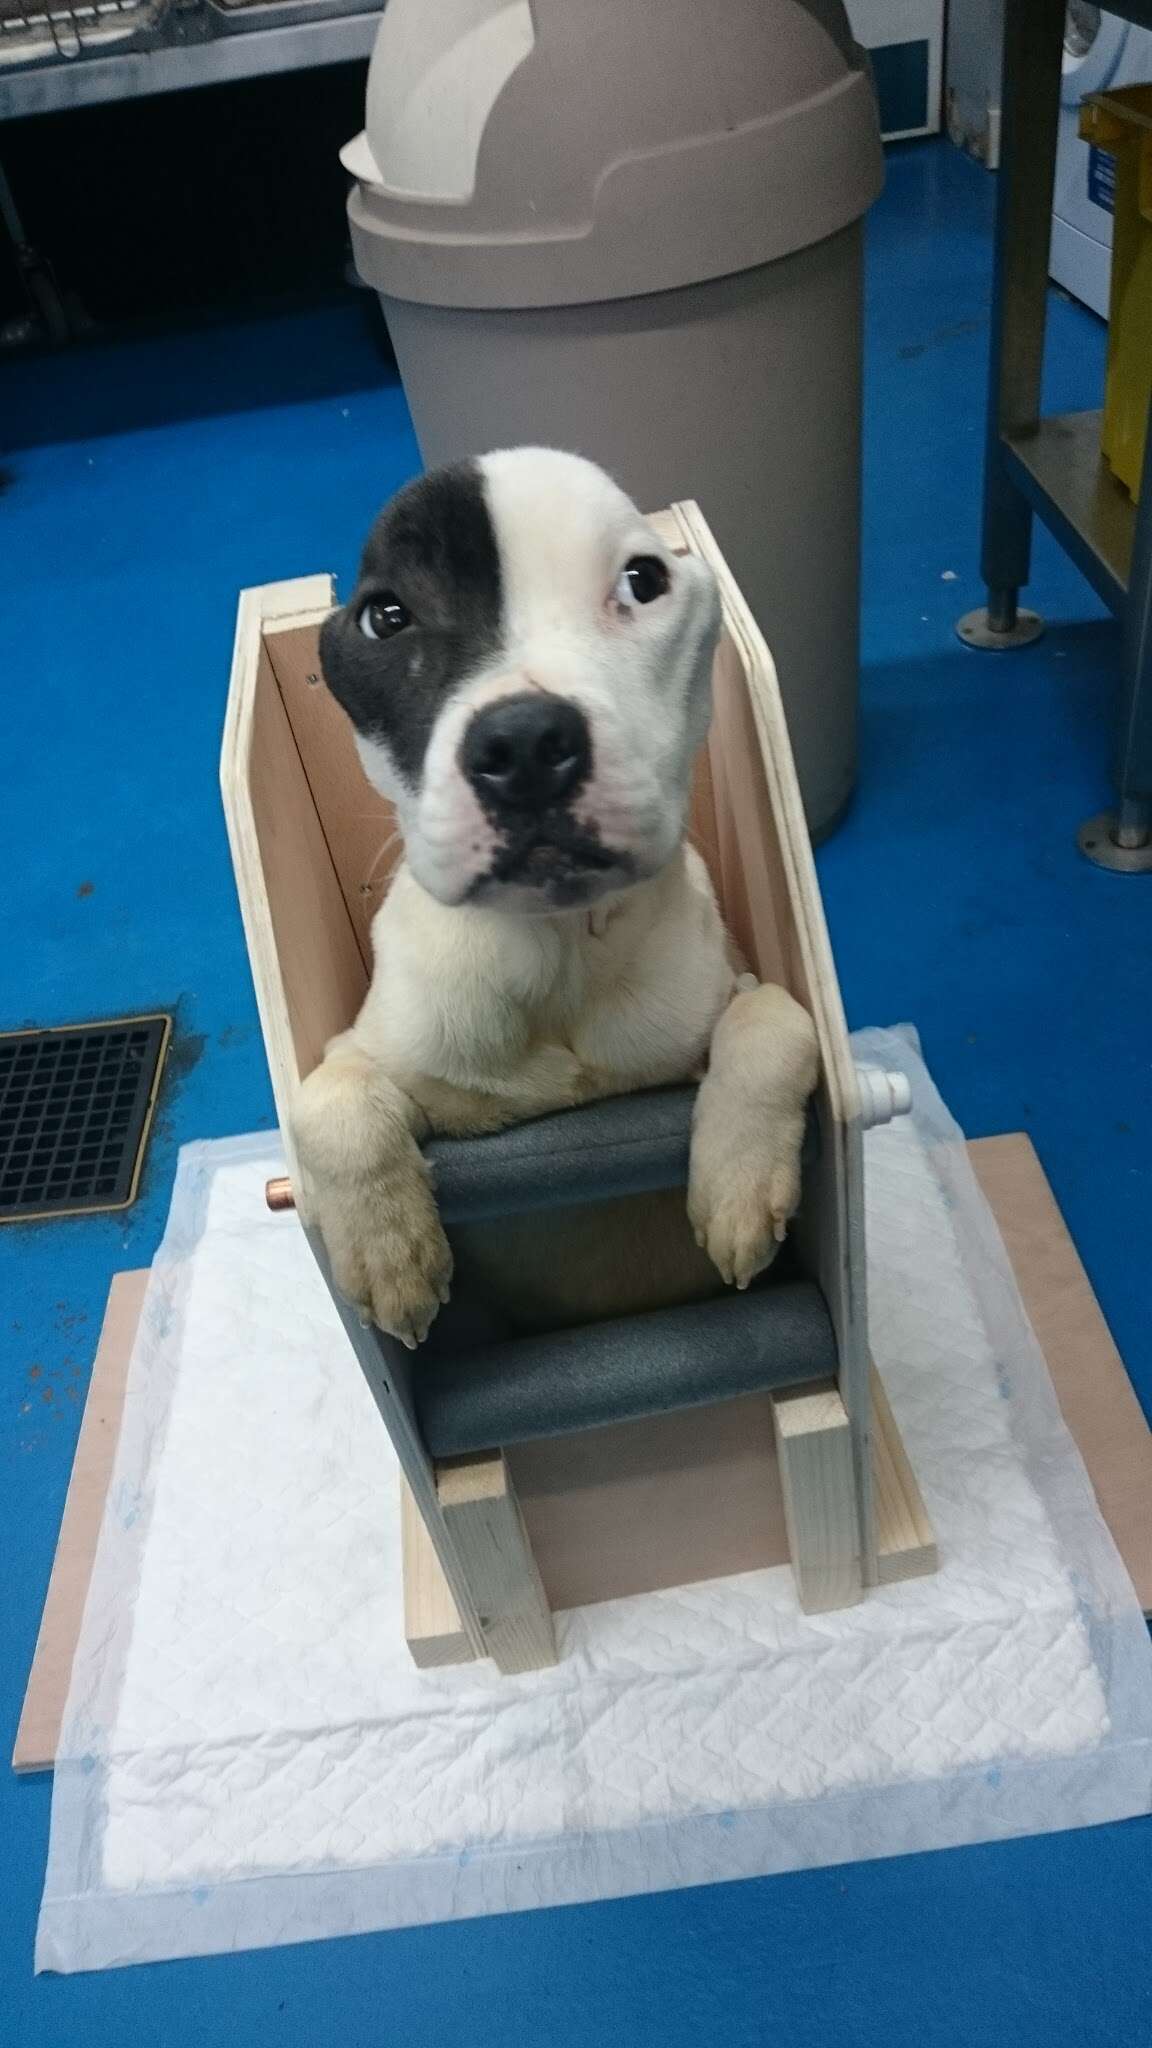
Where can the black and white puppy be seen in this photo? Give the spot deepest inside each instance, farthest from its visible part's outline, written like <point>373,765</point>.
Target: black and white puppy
<point>527,669</point>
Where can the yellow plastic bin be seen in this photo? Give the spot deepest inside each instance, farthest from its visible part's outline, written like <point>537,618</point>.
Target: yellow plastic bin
<point>1120,124</point>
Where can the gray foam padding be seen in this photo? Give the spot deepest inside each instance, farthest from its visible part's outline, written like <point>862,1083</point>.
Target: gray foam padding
<point>621,1370</point>
<point>627,1145</point>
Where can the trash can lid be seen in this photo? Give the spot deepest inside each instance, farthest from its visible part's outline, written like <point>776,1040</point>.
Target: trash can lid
<point>540,152</point>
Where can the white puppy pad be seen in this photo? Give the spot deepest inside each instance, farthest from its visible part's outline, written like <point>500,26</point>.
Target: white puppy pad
<point>249,1757</point>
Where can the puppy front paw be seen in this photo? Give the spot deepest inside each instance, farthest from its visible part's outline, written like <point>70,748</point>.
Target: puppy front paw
<point>389,1254</point>
<point>740,1205</point>
<point>368,1191</point>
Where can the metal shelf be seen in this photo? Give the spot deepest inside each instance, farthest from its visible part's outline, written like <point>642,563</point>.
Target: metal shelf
<point>196,52</point>
<point>1052,468</point>
<point>1059,468</point>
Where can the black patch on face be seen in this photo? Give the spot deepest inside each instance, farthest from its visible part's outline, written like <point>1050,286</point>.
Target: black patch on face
<point>434,549</point>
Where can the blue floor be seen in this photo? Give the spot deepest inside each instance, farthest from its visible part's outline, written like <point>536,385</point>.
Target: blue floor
<point>148,483</point>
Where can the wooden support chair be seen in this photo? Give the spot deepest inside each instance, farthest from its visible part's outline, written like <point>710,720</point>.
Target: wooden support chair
<point>545,1472</point>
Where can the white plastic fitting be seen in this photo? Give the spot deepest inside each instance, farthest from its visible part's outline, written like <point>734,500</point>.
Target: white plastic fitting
<point>883,1095</point>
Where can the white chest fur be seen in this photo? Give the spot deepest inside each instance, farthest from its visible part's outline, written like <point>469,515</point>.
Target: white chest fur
<point>485,1000</point>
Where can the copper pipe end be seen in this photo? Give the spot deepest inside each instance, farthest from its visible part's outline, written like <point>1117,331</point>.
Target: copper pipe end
<point>278,1193</point>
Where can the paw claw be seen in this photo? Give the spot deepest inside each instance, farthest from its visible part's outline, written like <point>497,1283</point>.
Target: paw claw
<point>740,1206</point>
<point>389,1255</point>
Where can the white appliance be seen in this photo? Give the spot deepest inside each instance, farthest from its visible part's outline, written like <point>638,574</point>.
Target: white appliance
<point>905,40</point>
<point>1100,52</point>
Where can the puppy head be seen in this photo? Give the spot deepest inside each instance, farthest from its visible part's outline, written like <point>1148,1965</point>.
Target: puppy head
<point>528,671</point>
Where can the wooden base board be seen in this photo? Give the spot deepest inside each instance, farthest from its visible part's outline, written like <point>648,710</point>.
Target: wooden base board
<point>1094,1391</point>
<point>1096,1396</point>
<point>51,1673</point>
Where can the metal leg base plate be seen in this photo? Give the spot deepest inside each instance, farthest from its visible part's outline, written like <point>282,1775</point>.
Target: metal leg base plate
<point>1097,842</point>
<point>974,630</point>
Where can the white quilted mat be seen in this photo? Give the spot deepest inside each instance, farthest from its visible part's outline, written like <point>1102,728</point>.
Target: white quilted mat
<point>249,1757</point>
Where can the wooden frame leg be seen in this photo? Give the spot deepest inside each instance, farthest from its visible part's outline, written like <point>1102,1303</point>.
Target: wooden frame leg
<point>905,1540</point>
<point>816,1495</point>
<point>433,1629</point>
<point>483,1519</point>
<point>817,1480</point>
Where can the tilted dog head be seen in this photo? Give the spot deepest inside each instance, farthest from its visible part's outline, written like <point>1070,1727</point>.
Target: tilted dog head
<point>528,672</point>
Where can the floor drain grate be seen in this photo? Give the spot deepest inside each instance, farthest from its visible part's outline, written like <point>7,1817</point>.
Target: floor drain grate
<point>75,1106</point>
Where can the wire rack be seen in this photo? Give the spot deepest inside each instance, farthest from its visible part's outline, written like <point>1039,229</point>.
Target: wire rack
<point>67,28</point>
<point>56,54</point>
<point>76,1103</point>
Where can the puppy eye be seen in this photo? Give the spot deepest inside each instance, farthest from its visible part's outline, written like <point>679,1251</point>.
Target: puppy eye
<point>383,617</point>
<point>641,580</point>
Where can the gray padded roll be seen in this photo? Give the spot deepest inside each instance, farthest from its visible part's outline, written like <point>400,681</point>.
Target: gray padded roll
<point>618,1371</point>
<point>628,1145</point>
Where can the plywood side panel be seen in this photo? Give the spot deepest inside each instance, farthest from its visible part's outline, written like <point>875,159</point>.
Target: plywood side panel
<point>830,1232</point>
<point>753,883</point>
<point>288,1038</point>
<point>322,973</point>
<point>308,969</point>
<point>359,825</point>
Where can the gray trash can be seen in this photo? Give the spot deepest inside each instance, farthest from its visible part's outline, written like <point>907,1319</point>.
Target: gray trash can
<point>633,228</point>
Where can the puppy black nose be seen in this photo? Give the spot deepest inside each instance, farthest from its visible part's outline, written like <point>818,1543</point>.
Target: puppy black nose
<point>526,752</point>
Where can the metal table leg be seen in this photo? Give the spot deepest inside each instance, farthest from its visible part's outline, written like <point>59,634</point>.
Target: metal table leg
<point>1122,839</point>
<point>1030,110</point>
